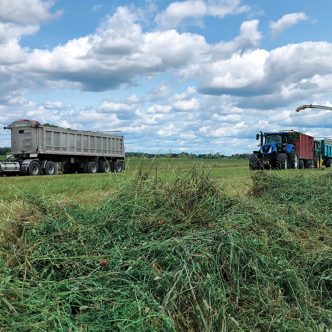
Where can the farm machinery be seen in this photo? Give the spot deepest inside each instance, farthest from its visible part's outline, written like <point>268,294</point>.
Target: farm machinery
<point>37,149</point>
<point>291,149</point>
<point>282,150</point>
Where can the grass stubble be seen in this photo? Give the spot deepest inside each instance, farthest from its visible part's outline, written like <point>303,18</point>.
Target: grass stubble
<point>173,254</point>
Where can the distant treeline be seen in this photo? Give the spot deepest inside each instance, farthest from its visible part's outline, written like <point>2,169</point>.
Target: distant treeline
<point>188,155</point>
<point>4,151</point>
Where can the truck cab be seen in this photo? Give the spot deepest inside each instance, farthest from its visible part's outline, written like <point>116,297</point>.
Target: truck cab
<point>274,142</point>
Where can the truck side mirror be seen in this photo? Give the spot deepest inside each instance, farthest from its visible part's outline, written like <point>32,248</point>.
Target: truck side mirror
<point>257,137</point>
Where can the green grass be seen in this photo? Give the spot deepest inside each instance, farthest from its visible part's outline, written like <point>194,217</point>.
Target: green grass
<point>168,246</point>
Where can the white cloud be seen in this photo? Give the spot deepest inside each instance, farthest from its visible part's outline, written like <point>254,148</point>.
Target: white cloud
<point>286,21</point>
<point>116,54</point>
<point>12,32</point>
<point>26,12</point>
<point>111,106</point>
<point>236,87</point>
<point>187,105</point>
<point>249,38</point>
<point>178,13</point>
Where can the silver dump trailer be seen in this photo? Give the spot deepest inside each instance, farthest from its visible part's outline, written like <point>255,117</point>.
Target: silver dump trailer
<point>38,149</point>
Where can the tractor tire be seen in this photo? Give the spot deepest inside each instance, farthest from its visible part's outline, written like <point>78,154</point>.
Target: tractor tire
<point>34,168</point>
<point>254,162</point>
<point>50,168</point>
<point>301,164</point>
<point>294,161</point>
<point>282,161</point>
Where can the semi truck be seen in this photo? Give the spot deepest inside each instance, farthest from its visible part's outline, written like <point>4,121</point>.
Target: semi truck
<point>38,149</point>
<point>282,150</point>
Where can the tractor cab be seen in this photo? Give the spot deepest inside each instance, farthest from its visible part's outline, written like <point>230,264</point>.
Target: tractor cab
<point>274,142</point>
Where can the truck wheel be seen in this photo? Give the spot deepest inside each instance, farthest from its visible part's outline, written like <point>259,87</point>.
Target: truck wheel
<point>282,161</point>
<point>301,164</point>
<point>254,162</point>
<point>104,166</point>
<point>117,167</point>
<point>294,160</point>
<point>50,168</point>
<point>91,167</point>
<point>34,168</point>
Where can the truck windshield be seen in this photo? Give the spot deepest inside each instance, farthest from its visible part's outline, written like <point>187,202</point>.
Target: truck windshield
<point>273,139</point>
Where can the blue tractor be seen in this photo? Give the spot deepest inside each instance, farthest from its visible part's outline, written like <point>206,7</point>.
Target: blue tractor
<point>276,152</point>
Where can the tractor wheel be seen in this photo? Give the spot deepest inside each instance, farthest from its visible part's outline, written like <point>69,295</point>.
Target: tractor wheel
<point>294,161</point>
<point>254,162</point>
<point>282,161</point>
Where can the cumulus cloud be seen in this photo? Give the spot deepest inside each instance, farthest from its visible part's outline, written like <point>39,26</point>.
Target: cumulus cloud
<point>236,87</point>
<point>116,54</point>
<point>285,22</point>
<point>178,13</point>
<point>261,78</point>
<point>26,12</point>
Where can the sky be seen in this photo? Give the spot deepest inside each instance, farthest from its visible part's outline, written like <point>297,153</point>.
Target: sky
<point>197,76</point>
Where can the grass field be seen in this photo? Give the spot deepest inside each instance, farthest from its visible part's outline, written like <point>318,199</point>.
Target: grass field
<point>167,245</point>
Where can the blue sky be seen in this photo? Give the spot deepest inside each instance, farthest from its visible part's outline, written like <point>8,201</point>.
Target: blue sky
<point>197,75</point>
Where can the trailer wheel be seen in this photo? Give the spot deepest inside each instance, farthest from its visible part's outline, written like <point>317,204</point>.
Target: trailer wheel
<point>117,167</point>
<point>34,168</point>
<point>294,160</point>
<point>254,162</point>
<point>104,166</point>
<point>282,161</point>
<point>50,168</point>
<point>301,164</point>
<point>91,167</point>
<point>328,163</point>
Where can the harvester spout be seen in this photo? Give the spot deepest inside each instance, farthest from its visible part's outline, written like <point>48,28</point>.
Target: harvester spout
<point>303,107</point>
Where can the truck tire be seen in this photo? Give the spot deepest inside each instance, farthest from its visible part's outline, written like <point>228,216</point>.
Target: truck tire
<point>117,167</point>
<point>282,161</point>
<point>104,166</point>
<point>301,164</point>
<point>254,162</point>
<point>294,161</point>
<point>91,167</point>
<point>50,168</point>
<point>34,168</point>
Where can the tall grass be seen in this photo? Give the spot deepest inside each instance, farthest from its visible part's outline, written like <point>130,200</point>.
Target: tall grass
<point>173,254</point>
